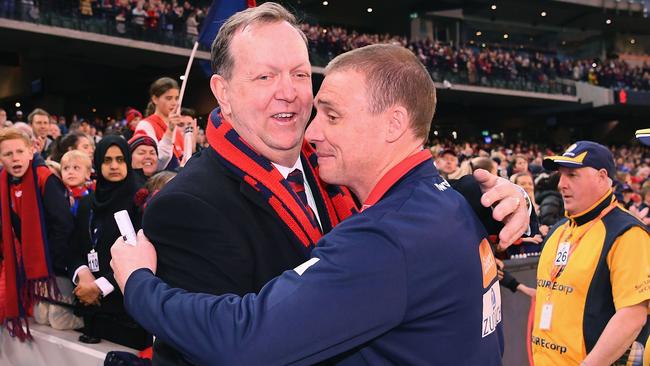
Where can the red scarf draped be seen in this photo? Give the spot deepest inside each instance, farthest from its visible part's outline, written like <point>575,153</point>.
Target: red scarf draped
<point>258,172</point>
<point>78,192</point>
<point>26,262</point>
<point>158,124</point>
<point>160,127</point>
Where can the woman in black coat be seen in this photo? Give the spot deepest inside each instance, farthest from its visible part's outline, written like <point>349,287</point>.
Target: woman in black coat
<point>100,300</point>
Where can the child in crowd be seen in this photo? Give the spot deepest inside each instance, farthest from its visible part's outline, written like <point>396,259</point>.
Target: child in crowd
<point>161,119</point>
<point>75,172</point>
<point>151,187</point>
<point>36,228</point>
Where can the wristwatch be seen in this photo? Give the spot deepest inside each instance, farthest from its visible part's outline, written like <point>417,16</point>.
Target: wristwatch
<point>529,204</point>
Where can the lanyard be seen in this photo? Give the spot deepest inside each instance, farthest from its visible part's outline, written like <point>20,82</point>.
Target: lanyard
<point>93,233</point>
<point>393,175</point>
<point>558,269</point>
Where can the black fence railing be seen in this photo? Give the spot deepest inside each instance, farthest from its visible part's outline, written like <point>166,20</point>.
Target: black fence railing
<point>556,86</point>
<point>529,84</point>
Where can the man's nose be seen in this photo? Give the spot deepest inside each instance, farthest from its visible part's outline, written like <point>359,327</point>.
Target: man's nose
<point>314,131</point>
<point>286,89</point>
<point>562,182</point>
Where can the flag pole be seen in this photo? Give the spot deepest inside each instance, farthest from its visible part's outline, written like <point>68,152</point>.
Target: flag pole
<point>189,132</point>
<point>186,76</point>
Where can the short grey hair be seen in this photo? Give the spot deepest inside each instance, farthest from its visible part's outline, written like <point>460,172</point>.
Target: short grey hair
<point>221,59</point>
<point>394,75</point>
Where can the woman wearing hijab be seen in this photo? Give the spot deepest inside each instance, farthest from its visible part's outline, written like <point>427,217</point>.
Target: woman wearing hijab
<point>100,301</point>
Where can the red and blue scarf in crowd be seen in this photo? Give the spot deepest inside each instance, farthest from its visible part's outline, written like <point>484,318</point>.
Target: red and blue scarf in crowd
<point>77,193</point>
<point>258,172</point>
<point>27,266</point>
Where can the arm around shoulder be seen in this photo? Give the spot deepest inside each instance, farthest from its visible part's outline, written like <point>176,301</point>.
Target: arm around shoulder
<point>357,299</point>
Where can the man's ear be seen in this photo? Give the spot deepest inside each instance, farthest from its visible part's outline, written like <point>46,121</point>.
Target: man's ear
<point>220,90</point>
<point>398,122</point>
<point>603,174</point>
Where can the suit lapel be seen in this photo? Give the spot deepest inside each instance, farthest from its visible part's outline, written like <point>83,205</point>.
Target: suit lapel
<point>254,197</point>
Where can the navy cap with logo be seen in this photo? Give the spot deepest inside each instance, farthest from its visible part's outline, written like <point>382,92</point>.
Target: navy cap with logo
<point>583,154</point>
<point>644,136</point>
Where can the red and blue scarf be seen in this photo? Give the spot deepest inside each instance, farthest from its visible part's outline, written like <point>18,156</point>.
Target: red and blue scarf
<point>258,172</point>
<point>27,265</point>
<point>77,193</point>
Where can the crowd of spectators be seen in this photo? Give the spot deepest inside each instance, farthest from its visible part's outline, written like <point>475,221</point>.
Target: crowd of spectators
<point>86,171</point>
<point>477,64</point>
<point>149,19</point>
<point>473,63</point>
<point>454,160</point>
<point>633,163</point>
<point>615,74</point>
<point>512,161</point>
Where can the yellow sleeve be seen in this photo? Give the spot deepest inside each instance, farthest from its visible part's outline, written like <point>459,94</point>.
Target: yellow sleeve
<point>629,265</point>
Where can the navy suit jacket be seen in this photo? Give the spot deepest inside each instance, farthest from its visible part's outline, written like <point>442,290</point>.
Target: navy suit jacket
<point>215,234</point>
<point>400,283</point>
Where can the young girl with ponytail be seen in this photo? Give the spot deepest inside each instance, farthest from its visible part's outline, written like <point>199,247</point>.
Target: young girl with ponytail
<point>162,118</point>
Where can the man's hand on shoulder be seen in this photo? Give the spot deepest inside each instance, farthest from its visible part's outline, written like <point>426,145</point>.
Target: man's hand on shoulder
<point>508,206</point>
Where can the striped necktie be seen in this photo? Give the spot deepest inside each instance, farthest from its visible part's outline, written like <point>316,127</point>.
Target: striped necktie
<point>297,183</point>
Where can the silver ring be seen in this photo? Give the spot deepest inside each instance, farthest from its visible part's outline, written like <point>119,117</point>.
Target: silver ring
<point>517,201</point>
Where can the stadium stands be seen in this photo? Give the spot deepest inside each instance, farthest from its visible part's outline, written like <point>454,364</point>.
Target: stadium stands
<point>473,64</point>
<point>497,102</point>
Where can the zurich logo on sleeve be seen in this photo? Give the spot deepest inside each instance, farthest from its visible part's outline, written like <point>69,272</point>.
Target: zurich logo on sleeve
<point>491,310</point>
